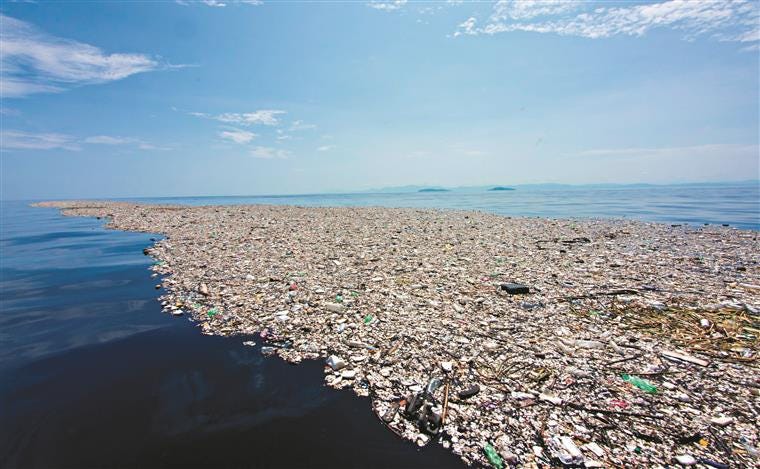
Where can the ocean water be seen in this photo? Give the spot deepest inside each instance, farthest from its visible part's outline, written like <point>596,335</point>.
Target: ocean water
<point>93,374</point>
<point>735,204</point>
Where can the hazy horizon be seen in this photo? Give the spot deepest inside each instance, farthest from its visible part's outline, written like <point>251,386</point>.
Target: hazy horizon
<point>153,99</point>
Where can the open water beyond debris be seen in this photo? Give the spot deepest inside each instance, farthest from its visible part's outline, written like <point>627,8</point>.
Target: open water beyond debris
<point>92,374</point>
<point>736,204</point>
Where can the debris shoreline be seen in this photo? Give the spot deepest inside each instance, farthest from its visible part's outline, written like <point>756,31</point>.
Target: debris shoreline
<point>512,341</point>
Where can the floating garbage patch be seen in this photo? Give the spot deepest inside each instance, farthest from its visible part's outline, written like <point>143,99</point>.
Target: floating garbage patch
<point>511,341</point>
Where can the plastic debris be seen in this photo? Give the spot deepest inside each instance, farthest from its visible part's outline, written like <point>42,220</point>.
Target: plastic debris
<point>336,363</point>
<point>493,457</point>
<point>607,297</point>
<point>469,392</point>
<point>722,421</point>
<point>686,460</point>
<point>566,450</point>
<point>684,357</point>
<point>640,383</point>
<point>515,288</point>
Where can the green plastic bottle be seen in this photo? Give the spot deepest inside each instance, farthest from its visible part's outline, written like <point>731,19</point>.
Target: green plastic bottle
<point>640,383</point>
<point>212,312</point>
<point>368,319</point>
<point>493,456</point>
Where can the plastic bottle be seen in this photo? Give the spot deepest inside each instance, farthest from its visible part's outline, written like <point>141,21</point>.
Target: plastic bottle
<point>640,383</point>
<point>493,456</point>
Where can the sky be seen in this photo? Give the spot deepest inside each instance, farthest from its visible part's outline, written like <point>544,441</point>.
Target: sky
<point>186,98</point>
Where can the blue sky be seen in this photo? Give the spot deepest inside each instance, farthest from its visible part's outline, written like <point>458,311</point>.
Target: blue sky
<point>231,98</point>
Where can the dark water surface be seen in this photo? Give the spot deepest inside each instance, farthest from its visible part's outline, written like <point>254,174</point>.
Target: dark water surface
<point>92,374</point>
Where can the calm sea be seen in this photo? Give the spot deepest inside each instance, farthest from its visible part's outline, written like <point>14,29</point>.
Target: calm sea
<point>735,204</point>
<point>92,374</point>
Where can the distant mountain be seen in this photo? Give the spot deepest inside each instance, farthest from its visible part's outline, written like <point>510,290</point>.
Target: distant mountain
<point>543,186</point>
<point>433,189</point>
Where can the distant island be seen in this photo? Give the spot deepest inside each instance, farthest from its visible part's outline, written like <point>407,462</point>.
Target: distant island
<point>501,188</point>
<point>432,189</point>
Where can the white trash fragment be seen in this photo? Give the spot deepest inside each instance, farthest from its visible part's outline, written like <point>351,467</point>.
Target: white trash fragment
<point>686,460</point>
<point>722,421</point>
<point>589,344</point>
<point>594,448</point>
<point>336,363</point>
<point>549,398</point>
<point>672,355</point>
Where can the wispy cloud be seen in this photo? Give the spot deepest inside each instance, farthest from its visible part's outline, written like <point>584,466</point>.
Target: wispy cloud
<point>219,3</point>
<point>325,148</point>
<point>20,140</point>
<point>301,125</point>
<point>723,20</point>
<point>269,153</point>
<point>237,136</point>
<point>33,61</point>
<point>387,6</point>
<point>260,117</point>
<point>718,150</point>
<point>108,140</point>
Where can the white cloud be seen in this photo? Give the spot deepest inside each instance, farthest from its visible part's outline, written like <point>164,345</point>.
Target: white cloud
<point>325,148</point>
<point>718,150</point>
<point>131,141</point>
<point>281,135</point>
<point>269,153</point>
<point>218,3</point>
<point>33,61</point>
<point>725,20</point>
<point>260,117</point>
<point>19,140</point>
<point>387,6</point>
<point>524,9</point>
<point>108,140</point>
<point>301,125</point>
<point>237,135</point>
<point>22,140</point>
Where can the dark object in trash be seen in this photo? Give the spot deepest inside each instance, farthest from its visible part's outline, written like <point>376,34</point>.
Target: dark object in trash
<point>413,404</point>
<point>581,239</point>
<point>469,392</point>
<point>716,464</point>
<point>146,252</point>
<point>725,224</point>
<point>514,288</point>
<point>390,413</point>
<point>430,422</point>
